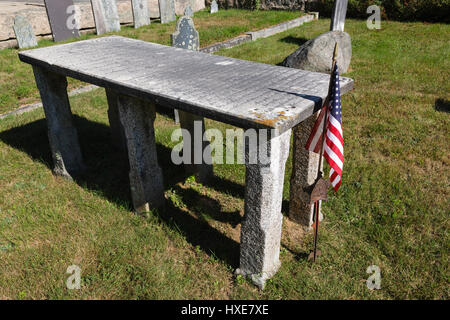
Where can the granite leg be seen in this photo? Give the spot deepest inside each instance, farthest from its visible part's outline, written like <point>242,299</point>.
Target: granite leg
<point>146,179</point>
<point>261,226</point>
<point>62,134</point>
<point>304,174</point>
<point>118,138</point>
<point>194,129</point>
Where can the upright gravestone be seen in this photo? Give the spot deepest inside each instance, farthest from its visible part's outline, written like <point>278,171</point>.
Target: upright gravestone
<point>188,12</point>
<point>167,10</point>
<point>338,15</point>
<point>24,33</point>
<point>106,16</point>
<point>214,7</point>
<point>63,19</point>
<point>141,14</point>
<point>185,35</point>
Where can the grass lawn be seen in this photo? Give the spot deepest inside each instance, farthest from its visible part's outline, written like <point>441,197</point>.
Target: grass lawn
<point>392,210</point>
<point>17,85</point>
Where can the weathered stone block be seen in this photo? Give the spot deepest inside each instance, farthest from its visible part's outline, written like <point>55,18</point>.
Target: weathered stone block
<point>261,227</point>
<point>317,54</point>
<point>62,135</point>
<point>146,180</point>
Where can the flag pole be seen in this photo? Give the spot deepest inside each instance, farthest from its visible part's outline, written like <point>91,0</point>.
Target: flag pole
<point>319,171</point>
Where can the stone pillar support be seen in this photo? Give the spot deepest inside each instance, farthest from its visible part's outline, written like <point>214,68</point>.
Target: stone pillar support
<point>304,174</point>
<point>146,179</point>
<point>62,134</point>
<point>261,227</point>
<point>118,138</point>
<point>193,131</point>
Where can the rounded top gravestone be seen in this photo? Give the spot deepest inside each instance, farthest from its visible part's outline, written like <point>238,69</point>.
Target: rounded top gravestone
<point>316,54</point>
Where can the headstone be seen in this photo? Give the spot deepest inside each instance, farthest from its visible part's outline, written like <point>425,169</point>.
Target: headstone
<point>105,15</point>
<point>188,12</point>
<point>167,10</point>
<point>63,19</point>
<point>214,7</point>
<point>338,15</point>
<point>24,32</point>
<point>141,13</point>
<point>317,54</point>
<point>185,35</point>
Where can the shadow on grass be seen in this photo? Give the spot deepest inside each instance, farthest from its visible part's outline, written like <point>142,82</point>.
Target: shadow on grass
<point>107,175</point>
<point>442,105</point>
<point>294,40</point>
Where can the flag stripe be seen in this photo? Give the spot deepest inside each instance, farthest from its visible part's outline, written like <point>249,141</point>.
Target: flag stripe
<point>334,141</point>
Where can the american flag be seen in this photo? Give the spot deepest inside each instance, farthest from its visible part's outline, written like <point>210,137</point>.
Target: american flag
<point>333,150</point>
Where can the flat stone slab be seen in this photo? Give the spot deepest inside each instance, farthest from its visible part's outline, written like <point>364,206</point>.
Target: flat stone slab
<point>24,32</point>
<point>242,93</point>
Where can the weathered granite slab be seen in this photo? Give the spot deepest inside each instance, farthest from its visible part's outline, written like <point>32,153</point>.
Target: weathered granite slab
<point>106,16</point>
<point>185,35</point>
<point>214,7</point>
<point>338,15</point>
<point>63,19</point>
<point>167,11</point>
<point>24,32</point>
<point>141,13</point>
<point>242,93</point>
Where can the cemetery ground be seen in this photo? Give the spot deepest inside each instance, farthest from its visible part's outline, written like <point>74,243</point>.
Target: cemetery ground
<point>17,86</point>
<point>391,211</point>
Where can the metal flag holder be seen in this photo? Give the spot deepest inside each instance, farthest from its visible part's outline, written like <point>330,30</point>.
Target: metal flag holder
<point>321,186</point>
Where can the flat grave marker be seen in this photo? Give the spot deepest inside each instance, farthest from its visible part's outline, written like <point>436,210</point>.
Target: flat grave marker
<point>24,32</point>
<point>63,19</point>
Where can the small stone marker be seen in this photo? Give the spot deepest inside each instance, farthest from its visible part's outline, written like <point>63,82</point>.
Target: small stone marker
<point>105,15</point>
<point>188,12</point>
<point>167,10</point>
<point>141,13</point>
<point>338,15</point>
<point>24,32</point>
<point>63,19</point>
<point>214,7</point>
<point>185,35</point>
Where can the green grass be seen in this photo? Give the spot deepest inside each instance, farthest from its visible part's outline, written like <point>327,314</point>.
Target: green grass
<point>17,85</point>
<point>392,209</point>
